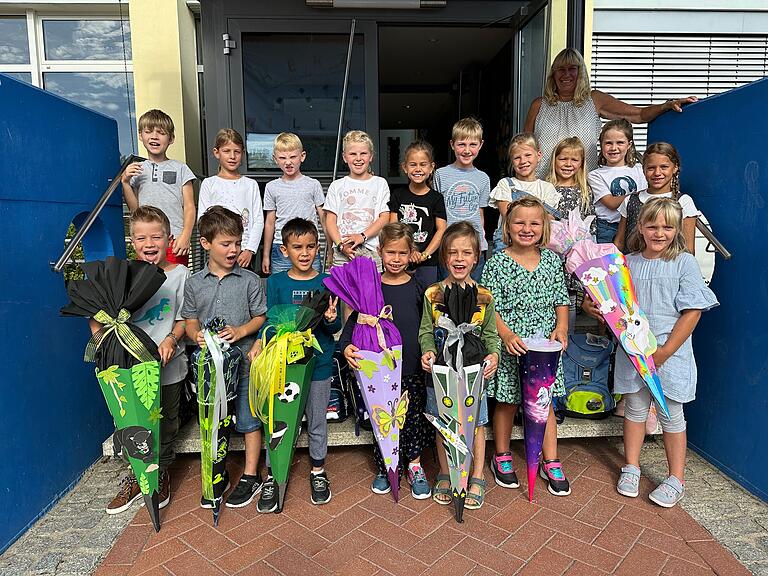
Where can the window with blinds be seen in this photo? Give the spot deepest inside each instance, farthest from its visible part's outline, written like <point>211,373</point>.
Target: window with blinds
<point>647,69</point>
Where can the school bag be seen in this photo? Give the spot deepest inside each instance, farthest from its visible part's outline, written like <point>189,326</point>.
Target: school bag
<point>586,369</point>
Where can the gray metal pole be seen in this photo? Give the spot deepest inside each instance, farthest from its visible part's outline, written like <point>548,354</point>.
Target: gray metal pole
<point>343,99</point>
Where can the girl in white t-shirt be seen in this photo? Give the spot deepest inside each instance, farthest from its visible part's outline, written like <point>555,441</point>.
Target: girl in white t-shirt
<point>356,206</point>
<point>524,155</point>
<point>661,165</point>
<point>618,176</point>
<point>232,190</point>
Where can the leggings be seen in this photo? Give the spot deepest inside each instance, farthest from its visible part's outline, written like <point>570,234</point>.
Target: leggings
<point>637,404</point>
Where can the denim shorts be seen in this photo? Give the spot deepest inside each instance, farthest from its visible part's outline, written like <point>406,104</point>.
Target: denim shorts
<point>280,263</point>
<point>606,231</point>
<point>245,422</point>
<point>482,417</point>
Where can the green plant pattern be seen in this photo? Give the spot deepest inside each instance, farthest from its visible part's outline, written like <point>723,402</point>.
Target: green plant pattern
<point>146,380</point>
<point>110,377</point>
<point>143,484</point>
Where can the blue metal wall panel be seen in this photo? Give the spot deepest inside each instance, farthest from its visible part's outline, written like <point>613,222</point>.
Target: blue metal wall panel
<point>56,160</point>
<point>722,143</point>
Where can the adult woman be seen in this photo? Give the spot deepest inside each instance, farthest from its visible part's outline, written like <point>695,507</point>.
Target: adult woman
<point>570,107</point>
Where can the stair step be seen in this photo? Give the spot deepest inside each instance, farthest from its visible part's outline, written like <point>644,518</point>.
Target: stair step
<point>343,434</point>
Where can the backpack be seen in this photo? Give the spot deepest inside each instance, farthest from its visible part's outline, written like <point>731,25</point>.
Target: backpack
<point>337,404</point>
<point>586,369</point>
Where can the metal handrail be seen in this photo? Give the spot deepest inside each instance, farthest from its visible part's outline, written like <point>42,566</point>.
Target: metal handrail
<point>712,239</point>
<point>58,266</point>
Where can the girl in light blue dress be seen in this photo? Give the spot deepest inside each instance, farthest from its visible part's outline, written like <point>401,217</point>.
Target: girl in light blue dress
<point>673,295</point>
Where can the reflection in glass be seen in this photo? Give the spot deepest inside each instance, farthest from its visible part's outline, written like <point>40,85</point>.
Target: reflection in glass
<point>293,83</point>
<point>22,76</point>
<point>86,39</point>
<point>14,46</point>
<point>102,92</point>
<point>533,62</point>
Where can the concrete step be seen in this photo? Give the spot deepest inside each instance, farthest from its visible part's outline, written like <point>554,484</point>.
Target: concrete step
<point>343,434</point>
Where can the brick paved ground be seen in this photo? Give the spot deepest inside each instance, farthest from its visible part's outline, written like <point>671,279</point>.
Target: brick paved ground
<point>594,531</point>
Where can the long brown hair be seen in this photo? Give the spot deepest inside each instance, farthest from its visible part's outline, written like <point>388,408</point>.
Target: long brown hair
<point>666,149</point>
<point>625,127</point>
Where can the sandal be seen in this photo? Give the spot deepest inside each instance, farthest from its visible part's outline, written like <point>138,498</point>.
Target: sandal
<point>478,498</point>
<point>442,495</point>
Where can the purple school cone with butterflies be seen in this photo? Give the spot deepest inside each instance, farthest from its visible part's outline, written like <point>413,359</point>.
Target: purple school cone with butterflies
<point>603,271</point>
<point>538,370</point>
<point>358,283</point>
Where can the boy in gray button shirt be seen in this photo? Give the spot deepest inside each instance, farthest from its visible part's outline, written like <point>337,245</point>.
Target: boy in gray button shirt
<point>162,183</point>
<point>224,289</point>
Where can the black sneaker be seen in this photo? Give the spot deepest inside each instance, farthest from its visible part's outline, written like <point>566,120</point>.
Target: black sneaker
<point>208,504</point>
<point>503,472</point>
<point>552,472</point>
<point>320,487</point>
<point>268,499</point>
<point>245,491</point>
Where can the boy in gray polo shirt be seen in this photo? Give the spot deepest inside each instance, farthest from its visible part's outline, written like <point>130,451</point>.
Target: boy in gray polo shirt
<point>162,183</point>
<point>224,289</point>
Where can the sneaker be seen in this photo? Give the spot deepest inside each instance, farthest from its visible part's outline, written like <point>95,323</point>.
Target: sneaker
<point>128,494</point>
<point>335,410</point>
<point>245,491</point>
<point>320,488</point>
<point>380,485</point>
<point>268,499</point>
<point>629,481</point>
<point>668,493</point>
<point>503,471</point>
<point>208,504</point>
<point>420,488</point>
<point>552,472</point>
<point>164,493</point>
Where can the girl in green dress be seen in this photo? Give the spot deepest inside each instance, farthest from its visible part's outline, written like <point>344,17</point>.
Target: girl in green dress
<point>528,286</point>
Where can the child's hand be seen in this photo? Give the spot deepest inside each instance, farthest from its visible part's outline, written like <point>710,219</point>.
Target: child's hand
<point>426,361</point>
<point>180,246</point>
<point>231,333</point>
<point>330,314</point>
<point>166,348</point>
<point>492,363</point>
<point>660,356</point>
<point>591,309</point>
<point>132,170</point>
<point>347,247</point>
<point>255,350</point>
<point>200,338</point>
<point>350,353</point>
<point>514,344</point>
<point>265,263</point>
<point>415,257</point>
<point>244,258</point>
<point>560,334</point>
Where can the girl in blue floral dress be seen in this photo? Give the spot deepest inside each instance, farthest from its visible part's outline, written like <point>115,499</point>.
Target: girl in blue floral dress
<point>528,286</point>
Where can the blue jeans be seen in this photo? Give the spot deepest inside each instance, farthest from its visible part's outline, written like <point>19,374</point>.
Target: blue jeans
<point>498,243</point>
<point>606,231</point>
<point>280,263</point>
<point>482,416</point>
<point>245,422</point>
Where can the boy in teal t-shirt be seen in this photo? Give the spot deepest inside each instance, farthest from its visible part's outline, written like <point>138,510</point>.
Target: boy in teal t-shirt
<point>301,245</point>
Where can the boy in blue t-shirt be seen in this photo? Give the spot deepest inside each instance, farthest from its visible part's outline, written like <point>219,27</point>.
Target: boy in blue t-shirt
<point>300,244</point>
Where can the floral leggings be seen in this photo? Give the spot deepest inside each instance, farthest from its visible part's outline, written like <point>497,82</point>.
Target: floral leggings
<point>417,432</point>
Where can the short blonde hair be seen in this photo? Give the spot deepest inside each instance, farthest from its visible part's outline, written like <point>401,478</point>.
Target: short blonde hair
<point>286,141</point>
<point>226,135</point>
<point>357,137</point>
<point>467,129</point>
<point>461,229</point>
<point>673,215</point>
<point>152,119</point>
<point>568,57</point>
<point>527,202</point>
<point>149,214</point>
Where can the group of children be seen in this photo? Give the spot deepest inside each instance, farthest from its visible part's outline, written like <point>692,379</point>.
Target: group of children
<point>425,236</point>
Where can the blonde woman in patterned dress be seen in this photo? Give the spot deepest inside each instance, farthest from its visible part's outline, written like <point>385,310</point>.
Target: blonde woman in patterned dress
<point>569,107</point>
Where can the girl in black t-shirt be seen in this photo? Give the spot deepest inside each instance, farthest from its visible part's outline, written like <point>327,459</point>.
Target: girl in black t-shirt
<point>422,208</point>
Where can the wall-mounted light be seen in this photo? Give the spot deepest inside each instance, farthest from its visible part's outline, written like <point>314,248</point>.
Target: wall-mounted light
<point>380,4</point>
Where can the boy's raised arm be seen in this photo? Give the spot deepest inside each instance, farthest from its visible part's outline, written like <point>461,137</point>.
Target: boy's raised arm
<point>269,237</point>
<point>129,194</point>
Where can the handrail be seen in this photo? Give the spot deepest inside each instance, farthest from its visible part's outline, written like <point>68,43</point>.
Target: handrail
<point>58,266</point>
<point>344,96</point>
<point>712,239</point>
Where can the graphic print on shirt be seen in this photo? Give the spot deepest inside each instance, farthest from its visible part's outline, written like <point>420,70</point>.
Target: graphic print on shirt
<point>462,200</point>
<point>410,215</point>
<point>354,219</point>
<point>297,296</point>
<point>154,314</point>
<point>246,216</point>
<point>622,186</point>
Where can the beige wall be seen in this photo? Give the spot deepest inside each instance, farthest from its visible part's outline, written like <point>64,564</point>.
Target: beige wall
<point>165,71</point>
<point>558,31</point>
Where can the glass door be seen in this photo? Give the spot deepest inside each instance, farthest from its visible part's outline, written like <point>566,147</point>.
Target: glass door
<point>531,63</point>
<point>289,77</point>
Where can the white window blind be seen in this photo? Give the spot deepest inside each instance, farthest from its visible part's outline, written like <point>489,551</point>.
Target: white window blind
<point>647,69</point>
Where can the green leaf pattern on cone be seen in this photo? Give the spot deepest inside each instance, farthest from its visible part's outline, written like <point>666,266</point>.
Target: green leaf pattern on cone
<point>146,380</point>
